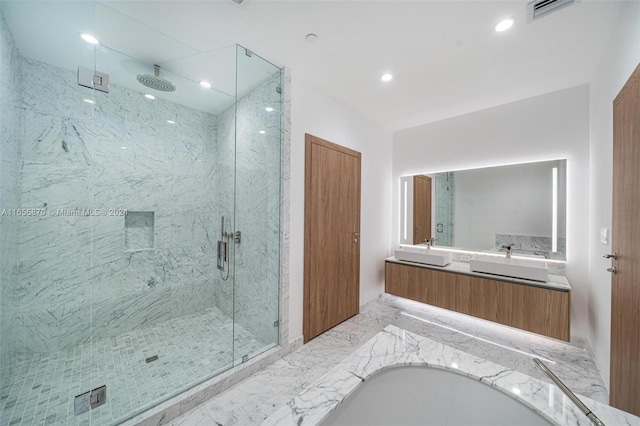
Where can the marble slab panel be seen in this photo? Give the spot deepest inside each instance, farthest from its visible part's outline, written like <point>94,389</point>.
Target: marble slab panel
<point>285,205</point>
<point>528,244</point>
<point>119,153</point>
<point>11,125</point>
<point>50,139</point>
<point>394,347</point>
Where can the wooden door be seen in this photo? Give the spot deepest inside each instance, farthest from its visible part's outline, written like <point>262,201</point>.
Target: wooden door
<point>625,284</point>
<point>421,209</point>
<point>332,236</point>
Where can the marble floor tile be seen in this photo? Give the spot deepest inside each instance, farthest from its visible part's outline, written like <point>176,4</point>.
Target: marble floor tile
<point>256,398</point>
<point>189,349</point>
<point>197,417</point>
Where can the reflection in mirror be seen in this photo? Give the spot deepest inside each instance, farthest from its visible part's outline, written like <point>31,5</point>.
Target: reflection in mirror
<point>520,205</point>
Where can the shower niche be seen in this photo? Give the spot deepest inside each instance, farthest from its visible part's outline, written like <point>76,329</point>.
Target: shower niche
<point>138,231</point>
<point>87,299</point>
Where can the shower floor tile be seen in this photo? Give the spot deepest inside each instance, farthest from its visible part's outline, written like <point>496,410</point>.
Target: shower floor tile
<point>189,349</point>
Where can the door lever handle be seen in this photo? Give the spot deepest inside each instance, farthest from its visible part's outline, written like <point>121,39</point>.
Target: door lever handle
<point>613,256</point>
<point>355,237</point>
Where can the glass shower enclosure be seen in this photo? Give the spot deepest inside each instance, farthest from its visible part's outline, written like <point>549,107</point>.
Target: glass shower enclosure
<point>139,212</point>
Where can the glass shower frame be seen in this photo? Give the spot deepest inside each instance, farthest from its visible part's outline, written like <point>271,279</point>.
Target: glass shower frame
<point>106,310</point>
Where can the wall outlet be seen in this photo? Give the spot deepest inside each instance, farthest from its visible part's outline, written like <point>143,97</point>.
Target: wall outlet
<point>604,236</point>
<point>465,257</point>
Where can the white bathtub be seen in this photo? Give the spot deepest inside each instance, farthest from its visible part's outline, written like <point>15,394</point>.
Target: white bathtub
<point>429,396</point>
<point>401,378</point>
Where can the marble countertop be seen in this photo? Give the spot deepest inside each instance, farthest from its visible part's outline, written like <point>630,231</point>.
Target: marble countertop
<point>394,347</point>
<point>555,282</point>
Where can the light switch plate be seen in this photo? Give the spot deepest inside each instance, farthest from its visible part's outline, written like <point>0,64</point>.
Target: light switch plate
<point>604,236</point>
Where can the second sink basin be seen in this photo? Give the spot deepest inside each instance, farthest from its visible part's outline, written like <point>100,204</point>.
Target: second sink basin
<point>423,255</point>
<point>517,268</point>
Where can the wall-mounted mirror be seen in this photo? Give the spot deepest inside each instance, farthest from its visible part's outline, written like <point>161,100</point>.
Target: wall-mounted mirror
<point>522,205</point>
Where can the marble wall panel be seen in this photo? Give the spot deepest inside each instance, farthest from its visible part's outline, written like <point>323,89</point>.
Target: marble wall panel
<point>119,153</point>
<point>285,205</point>
<point>11,124</point>
<point>535,245</point>
<point>257,258</point>
<point>444,196</point>
<point>122,154</point>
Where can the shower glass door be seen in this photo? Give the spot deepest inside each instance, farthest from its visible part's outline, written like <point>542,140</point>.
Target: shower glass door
<point>158,326</point>
<point>46,194</point>
<point>125,182</point>
<point>257,204</point>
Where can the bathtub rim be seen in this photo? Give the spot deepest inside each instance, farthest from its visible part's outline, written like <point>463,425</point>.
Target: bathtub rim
<point>394,347</point>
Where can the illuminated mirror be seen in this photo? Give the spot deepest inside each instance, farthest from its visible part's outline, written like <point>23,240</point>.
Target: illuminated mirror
<point>521,205</point>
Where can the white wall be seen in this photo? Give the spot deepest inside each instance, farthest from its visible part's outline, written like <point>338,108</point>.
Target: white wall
<point>621,58</point>
<point>315,112</point>
<point>551,126</point>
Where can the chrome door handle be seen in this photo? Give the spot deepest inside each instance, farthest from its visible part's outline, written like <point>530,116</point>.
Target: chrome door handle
<point>355,237</point>
<point>613,256</point>
<point>613,270</point>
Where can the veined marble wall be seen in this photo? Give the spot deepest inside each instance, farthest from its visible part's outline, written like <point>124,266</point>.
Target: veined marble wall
<point>535,245</point>
<point>11,123</point>
<point>445,190</point>
<point>77,282</point>
<point>258,210</point>
<point>225,199</point>
<point>256,260</point>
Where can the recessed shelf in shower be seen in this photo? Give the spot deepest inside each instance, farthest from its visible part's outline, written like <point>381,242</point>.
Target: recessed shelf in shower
<point>138,231</point>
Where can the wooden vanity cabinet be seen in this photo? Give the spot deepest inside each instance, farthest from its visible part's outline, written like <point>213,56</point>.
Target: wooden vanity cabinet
<point>537,309</point>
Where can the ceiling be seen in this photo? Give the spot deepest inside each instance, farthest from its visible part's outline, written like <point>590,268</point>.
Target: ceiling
<point>445,56</point>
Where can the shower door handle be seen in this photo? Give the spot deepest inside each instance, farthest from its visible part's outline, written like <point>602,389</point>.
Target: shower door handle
<point>222,256</point>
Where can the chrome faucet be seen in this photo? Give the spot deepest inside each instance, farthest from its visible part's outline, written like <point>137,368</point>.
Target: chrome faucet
<point>429,242</point>
<point>508,250</point>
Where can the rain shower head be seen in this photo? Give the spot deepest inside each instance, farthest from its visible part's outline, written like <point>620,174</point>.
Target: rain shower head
<point>156,82</point>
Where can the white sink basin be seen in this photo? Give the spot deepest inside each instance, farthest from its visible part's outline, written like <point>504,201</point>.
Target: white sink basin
<point>423,255</point>
<point>517,268</point>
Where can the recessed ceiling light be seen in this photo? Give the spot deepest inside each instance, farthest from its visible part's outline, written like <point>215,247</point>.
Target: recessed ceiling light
<point>311,38</point>
<point>171,122</point>
<point>89,38</point>
<point>148,96</point>
<point>123,147</point>
<point>262,132</point>
<point>89,101</point>
<point>268,109</point>
<point>386,77</point>
<point>505,24</point>
<point>205,84</point>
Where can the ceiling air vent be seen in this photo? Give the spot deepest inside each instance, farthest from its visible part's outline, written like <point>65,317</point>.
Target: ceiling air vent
<point>541,8</point>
